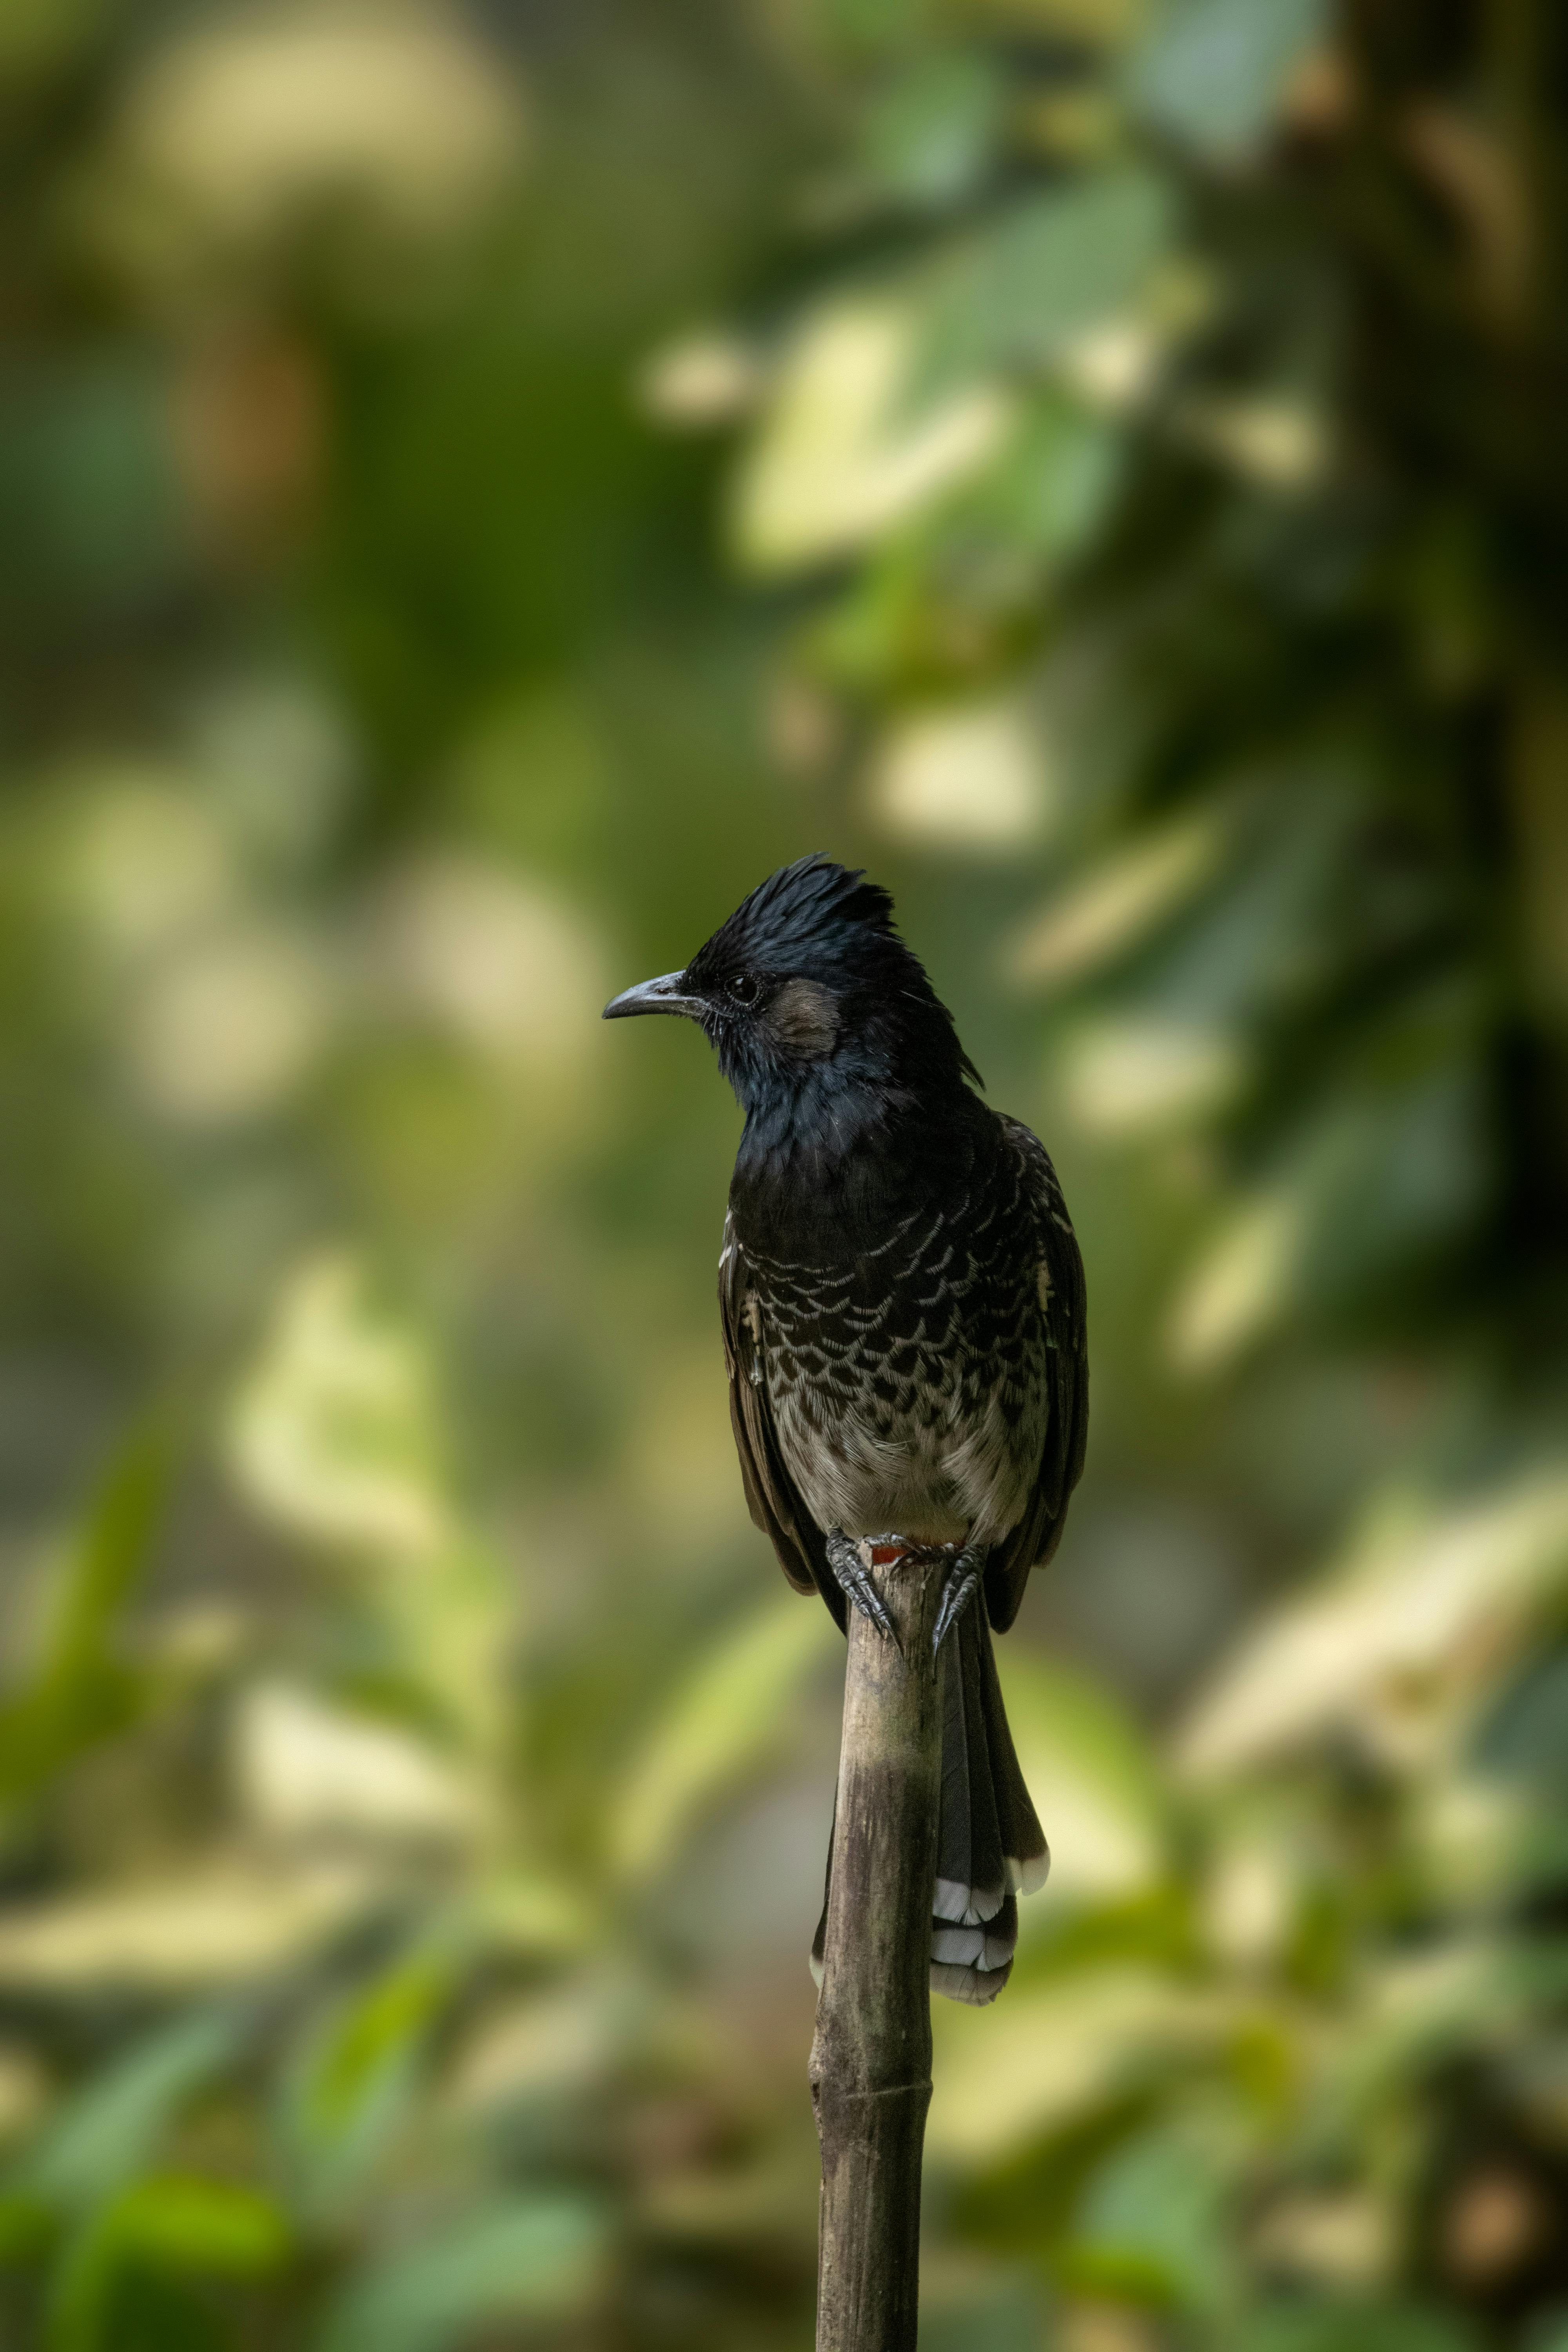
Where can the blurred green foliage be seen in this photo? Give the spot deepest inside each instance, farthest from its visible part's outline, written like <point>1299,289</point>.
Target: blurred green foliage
<point>477,492</point>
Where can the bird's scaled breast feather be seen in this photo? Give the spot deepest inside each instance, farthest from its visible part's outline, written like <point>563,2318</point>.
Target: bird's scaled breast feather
<point>771,1497</point>
<point>775,1504</point>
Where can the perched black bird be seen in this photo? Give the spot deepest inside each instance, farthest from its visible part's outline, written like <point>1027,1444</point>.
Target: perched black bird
<point>903,1311</point>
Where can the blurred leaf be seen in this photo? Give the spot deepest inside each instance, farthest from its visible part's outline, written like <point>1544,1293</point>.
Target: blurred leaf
<point>509,967</point>
<point>1113,910</point>
<point>1422,1584</point>
<point>218,1925</point>
<point>1043,2060</point>
<point>1365,1190</point>
<point>1344,2326</point>
<point>1136,1076</point>
<point>337,1436</point>
<point>868,27</point>
<point>1152,2224</point>
<point>100,2305</point>
<point>999,2316</point>
<point>517,2260</point>
<point>1042,273</point>
<point>88,495</point>
<point>214,168</point>
<point>556,2044</point>
<point>722,1723</point>
<point>306,1770</point>
<point>78,1690</point>
<point>39,37</point>
<point>355,2078</point>
<point>186,2222</point>
<point>1278,440</point>
<point>1055,483</point>
<point>1255,947</point>
<point>26,2226</point>
<point>1525,1734</point>
<point>529,1913</point>
<point>925,138</point>
<point>1475,1837</point>
<point>116,2287</point>
<point>1095,1784</point>
<point>961,775</point>
<point>1213,71</point>
<point>380,2026</point>
<point>1243,1284</point>
<point>1418,2012</point>
<point>1107,22</point>
<point>334,1435</point>
<point>836,461</point>
<point>112,2128</point>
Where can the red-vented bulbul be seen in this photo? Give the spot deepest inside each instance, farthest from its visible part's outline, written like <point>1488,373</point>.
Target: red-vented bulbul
<point>902,1302</point>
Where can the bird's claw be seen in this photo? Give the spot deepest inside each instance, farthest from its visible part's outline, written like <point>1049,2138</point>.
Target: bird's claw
<point>959,1578</point>
<point>849,1558</point>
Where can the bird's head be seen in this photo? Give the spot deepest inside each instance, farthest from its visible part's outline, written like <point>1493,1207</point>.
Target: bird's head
<point>808,982</point>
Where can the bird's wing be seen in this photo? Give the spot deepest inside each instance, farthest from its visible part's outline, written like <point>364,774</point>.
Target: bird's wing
<point>1038,1532</point>
<point>771,1495</point>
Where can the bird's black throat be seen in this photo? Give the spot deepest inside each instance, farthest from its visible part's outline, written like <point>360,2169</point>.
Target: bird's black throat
<point>835,1157</point>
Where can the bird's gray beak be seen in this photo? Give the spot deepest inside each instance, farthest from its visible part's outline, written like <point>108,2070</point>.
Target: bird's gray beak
<point>662,995</point>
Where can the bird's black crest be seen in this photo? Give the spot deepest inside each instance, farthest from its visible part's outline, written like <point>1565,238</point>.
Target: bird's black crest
<point>810,911</point>
<point>824,922</point>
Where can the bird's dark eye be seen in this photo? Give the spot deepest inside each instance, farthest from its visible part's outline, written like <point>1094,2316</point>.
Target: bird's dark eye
<point>745,988</point>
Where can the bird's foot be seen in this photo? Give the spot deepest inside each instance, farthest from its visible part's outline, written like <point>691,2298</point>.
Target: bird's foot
<point>852,1559</point>
<point>960,1576</point>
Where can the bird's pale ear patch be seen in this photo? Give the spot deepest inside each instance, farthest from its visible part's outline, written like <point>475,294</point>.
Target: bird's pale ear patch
<point>805,1018</point>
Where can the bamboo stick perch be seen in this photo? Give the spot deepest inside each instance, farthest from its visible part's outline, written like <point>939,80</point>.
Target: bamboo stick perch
<point>870,2056</point>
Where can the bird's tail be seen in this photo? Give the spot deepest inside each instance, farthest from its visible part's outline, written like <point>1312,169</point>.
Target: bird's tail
<point>990,1848</point>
